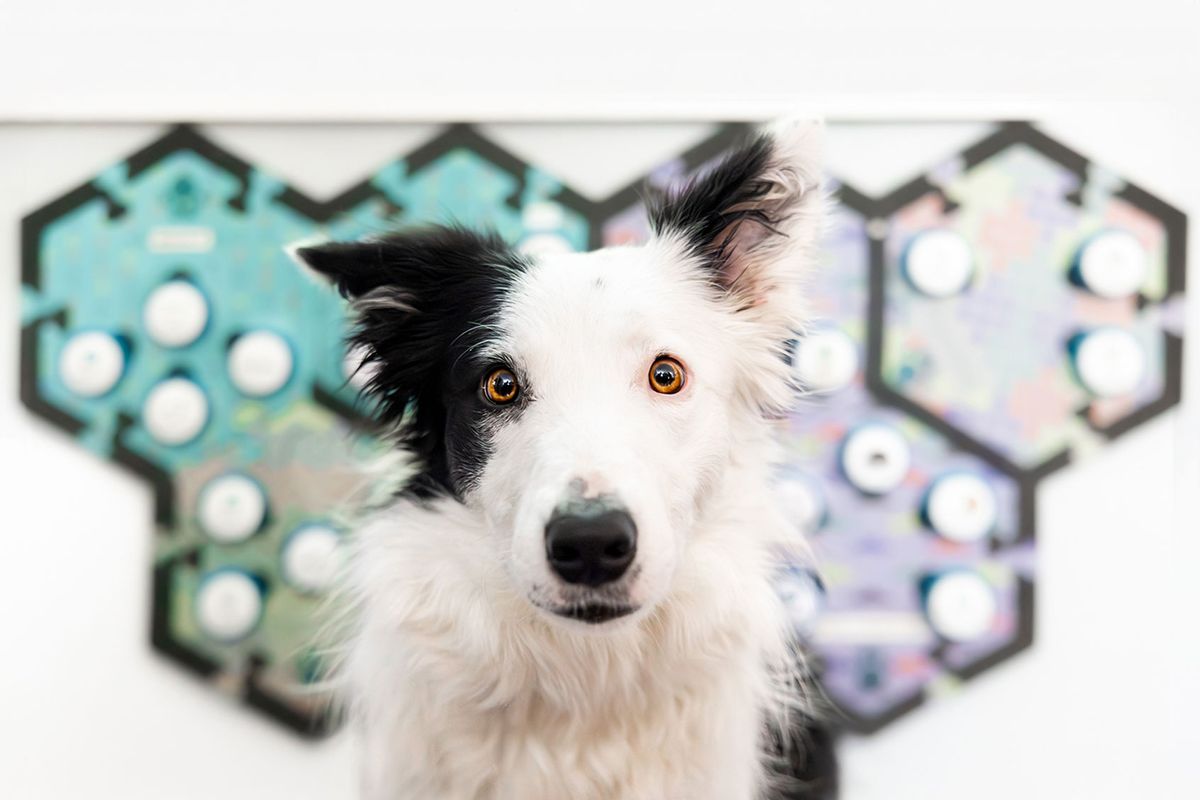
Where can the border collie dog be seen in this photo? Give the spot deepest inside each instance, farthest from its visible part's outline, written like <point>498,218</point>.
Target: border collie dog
<point>572,597</point>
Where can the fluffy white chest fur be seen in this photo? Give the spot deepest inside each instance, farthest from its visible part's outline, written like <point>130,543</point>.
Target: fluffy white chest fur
<point>573,596</point>
<point>463,691</point>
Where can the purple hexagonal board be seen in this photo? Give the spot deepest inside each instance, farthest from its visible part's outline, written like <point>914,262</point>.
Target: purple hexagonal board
<point>998,361</point>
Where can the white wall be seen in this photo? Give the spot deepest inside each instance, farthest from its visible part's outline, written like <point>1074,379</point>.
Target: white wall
<point>1105,704</point>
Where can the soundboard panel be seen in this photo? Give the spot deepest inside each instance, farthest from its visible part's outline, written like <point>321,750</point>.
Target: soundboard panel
<point>979,326</point>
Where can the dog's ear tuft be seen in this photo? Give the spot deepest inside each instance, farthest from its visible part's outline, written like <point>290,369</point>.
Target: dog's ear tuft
<point>752,220</point>
<point>354,268</point>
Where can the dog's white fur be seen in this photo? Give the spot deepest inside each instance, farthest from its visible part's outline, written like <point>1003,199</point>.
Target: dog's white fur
<point>461,686</point>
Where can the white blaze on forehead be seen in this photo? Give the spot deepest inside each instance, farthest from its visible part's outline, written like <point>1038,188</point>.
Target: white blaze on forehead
<point>608,306</point>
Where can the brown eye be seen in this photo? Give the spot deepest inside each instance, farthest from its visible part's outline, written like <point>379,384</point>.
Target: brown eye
<point>666,375</point>
<point>500,386</point>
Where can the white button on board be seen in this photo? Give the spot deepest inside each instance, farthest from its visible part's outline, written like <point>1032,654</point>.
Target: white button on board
<point>875,458</point>
<point>175,314</point>
<point>357,369</point>
<point>1113,264</point>
<point>260,363</point>
<point>801,596</point>
<point>542,216</point>
<point>939,263</point>
<point>961,507</point>
<point>231,508</point>
<point>543,220</point>
<point>311,558</point>
<point>825,361</point>
<point>1110,362</point>
<point>961,606</point>
<point>175,411</point>
<point>802,502</point>
<point>544,244</point>
<point>228,605</point>
<point>91,363</point>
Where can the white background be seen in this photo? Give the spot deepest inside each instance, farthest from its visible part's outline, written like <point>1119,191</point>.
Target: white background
<point>1106,704</point>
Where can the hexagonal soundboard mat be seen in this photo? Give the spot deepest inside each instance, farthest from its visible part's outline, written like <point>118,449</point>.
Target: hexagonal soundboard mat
<point>975,328</point>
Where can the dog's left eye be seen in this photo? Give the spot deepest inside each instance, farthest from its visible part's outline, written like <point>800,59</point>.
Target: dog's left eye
<point>500,386</point>
<point>666,375</point>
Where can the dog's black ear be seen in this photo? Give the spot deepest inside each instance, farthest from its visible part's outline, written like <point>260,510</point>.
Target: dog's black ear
<point>354,268</point>
<point>751,222</point>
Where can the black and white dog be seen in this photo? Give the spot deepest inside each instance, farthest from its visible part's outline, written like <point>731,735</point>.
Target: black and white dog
<point>572,599</point>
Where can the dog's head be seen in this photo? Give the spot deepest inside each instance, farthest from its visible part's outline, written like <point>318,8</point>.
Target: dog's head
<point>588,405</point>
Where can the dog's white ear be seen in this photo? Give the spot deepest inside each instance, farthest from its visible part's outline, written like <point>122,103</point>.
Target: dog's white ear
<point>752,222</point>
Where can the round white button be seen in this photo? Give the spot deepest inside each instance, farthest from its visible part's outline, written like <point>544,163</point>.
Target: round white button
<point>311,558</point>
<point>1110,362</point>
<point>875,458</point>
<point>229,605</point>
<point>544,244</point>
<point>961,606</point>
<point>357,369</point>
<point>231,508</point>
<point>825,361</point>
<point>939,263</point>
<point>961,507</point>
<point>802,502</point>
<point>801,596</point>
<point>91,363</point>
<point>175,411</point>
<point>542,216</point>
<point>260,363</point>
<point>1113,264</point>
<point>175,314</point>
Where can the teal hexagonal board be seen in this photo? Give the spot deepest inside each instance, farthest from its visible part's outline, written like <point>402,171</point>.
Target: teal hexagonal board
<point>166,328</point>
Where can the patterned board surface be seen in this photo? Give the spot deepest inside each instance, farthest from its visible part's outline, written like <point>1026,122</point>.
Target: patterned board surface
<point>996,363</point>
<point>876,553</point>
<point>941,385</point>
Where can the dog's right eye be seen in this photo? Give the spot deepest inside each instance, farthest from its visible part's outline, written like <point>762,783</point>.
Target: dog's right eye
<point>500,386</point>
<point>666,375</point>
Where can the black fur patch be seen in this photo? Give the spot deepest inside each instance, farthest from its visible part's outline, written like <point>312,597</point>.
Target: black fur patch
<point>804,762</point>
<point>428,300</point>
<point>807,769</point>
<point>708,210</point>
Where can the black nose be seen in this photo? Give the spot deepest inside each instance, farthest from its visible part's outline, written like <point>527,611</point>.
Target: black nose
<point>591,549</point>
